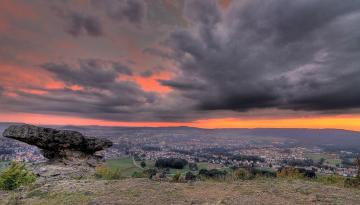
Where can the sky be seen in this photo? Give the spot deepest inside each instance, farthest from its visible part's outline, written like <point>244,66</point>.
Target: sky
<point>208,63</point>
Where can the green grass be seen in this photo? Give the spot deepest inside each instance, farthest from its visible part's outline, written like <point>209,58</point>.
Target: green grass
<point>203,165</point>
<point>333,162</point>
<point>329,159</point>
<point>125,165</point>
<point>182,171</point>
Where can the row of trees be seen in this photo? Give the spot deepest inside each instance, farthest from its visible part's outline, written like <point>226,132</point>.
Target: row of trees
<point>174,163</point>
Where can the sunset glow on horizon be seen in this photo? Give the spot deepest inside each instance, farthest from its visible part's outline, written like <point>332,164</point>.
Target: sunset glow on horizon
<point>346,122</point>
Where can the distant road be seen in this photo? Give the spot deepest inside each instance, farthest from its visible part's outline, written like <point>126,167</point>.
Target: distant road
<point>136,163</point>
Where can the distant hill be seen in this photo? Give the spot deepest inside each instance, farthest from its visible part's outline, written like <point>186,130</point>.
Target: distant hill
<point>336,139</point>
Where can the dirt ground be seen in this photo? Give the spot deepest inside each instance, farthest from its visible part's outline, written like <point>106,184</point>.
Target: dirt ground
<point>144,191</point>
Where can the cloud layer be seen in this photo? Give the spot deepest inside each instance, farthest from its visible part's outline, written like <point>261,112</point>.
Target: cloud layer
<point>297,55</point>
<point>112,60</point>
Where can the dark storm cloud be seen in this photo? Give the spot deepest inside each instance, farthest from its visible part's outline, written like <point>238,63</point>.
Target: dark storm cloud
<point>1,91</point>
<point>147,73</point>
<point>89,72</point>
<point>79,24</point>
<point>156,52</point>
<point>181,85</point>
<point>132,11</point>
<point>299,55</point>
<point>120,101</point>
<point>152,71</point>
<point>101,95</point>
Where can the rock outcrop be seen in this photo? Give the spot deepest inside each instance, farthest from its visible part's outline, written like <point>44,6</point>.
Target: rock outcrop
<point>68,152</point>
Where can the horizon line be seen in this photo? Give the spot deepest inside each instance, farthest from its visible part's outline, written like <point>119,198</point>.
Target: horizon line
<point>179,126</point>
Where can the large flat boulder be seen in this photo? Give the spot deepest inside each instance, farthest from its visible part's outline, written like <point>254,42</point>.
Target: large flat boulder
<point>69,147</point>
<point>53,139</point>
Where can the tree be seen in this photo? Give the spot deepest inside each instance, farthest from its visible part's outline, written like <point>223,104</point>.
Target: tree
<point>171,163</point>
<point>212,173</point>
<point>143,164</point>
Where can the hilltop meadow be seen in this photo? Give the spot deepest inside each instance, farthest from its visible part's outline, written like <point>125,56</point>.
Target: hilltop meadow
<point>127,181</point>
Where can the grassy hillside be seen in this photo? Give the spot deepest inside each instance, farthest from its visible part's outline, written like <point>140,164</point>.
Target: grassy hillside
<point>290,189</point>
<point>144,191</point>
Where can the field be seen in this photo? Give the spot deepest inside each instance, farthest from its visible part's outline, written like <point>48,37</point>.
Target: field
<point>125,165</point>
<point>132,191</point>
<point>330,159</point>
<point>128,166</point>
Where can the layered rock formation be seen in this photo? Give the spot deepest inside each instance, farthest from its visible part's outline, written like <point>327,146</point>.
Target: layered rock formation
<point>68,151</point>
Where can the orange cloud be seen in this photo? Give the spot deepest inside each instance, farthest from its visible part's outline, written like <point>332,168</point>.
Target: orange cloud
<point>152,84</point>
<point>23,78</point>
<point>224,3</point>
<point>34,91</point>
<point>53,85</point>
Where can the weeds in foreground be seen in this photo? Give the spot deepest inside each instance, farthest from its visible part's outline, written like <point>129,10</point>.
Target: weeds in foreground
<point>176,177</point>
<point>16,175</point>
<point>104,172</point>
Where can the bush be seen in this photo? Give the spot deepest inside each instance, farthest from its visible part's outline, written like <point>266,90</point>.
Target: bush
<point>292,172</point>
<point>242,174</point>
<point>16,175</point>
<point>176,177</point>
<point>138,175</point>
<point>263,172</point>
<point>331,179</point>
<point>289,172</point>
<point>104,172</point>
<point>193,166</point>
<point>149,173</point>
<point>352,182</point>
<point>189,176</point>
<point>212,173</point>
<point>143,164</point>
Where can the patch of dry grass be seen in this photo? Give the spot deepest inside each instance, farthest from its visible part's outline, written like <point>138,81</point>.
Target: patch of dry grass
<point>144,191</point>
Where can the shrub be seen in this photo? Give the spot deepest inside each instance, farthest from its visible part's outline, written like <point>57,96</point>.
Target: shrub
<point>138,175</point>
<point>331,179</point>
<point>176,177</point>
<point>289,172</point>
<point>193,166</point>
<point>16,175</point>
<point>242,174</point>
<point>143,164</point>
<point>104,172</point>
<point>149,173</point>
<point>352,182</point>
<point>212,173</point>
<point>263,172</point>
<point>189,176</point>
